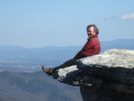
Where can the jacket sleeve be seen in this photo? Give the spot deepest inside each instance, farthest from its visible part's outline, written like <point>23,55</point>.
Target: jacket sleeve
<point>92,47</point>
<point>78,55</point>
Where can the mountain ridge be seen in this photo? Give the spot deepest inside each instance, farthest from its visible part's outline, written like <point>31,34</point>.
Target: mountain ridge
<point>31,59</point>
<point>35,86</point>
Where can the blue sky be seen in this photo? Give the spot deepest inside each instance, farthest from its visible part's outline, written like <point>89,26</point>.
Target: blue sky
<point>40,23</point>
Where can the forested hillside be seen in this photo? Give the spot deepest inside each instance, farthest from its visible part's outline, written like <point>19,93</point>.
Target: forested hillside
<point>35,86</point>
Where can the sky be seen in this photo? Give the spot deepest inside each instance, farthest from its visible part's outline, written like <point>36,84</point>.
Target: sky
<point>40,23</point>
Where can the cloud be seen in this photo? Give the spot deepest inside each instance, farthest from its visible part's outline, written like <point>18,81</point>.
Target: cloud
<point>110,17</point>
<point>107,17</point>
<point>128,16</point>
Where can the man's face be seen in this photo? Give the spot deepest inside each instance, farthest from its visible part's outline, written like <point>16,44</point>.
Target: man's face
<point>90,32</point>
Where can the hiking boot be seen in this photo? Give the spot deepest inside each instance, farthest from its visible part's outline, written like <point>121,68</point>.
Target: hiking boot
<point>48,71</point>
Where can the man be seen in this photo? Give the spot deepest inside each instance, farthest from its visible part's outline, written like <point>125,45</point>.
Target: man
<point>92,47</point>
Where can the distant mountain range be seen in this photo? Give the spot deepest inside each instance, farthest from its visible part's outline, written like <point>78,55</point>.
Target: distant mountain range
<point>17,58</point>
<point>118,44</point>
<point>30,83</point>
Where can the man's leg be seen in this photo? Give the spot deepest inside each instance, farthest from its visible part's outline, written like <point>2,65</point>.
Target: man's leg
<point>66,64</point>
<point>51,71</point>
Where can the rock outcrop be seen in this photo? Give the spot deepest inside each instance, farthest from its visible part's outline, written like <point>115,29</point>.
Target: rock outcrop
<point>105,77</point>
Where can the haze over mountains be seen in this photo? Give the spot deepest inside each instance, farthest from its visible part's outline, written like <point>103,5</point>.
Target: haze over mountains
<point>17,58</point>
<point>35,86</point>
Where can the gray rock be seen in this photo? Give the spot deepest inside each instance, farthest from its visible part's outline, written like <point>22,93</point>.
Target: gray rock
<point>105,77</point>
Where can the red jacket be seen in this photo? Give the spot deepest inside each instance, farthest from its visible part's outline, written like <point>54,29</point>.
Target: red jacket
<point>92,47</point>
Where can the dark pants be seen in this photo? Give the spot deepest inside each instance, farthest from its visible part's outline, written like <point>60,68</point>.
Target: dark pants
<point>66,64</point>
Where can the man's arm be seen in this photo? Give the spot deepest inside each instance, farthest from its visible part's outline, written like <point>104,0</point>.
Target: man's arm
<point>92,47</point>
<point>88,52</point>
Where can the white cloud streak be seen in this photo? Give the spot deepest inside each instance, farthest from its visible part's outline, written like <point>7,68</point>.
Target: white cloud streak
<point>128,16</point>
<point>110,17</point>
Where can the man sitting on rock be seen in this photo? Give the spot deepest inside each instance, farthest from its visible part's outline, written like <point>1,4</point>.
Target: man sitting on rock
<point>92,47</point>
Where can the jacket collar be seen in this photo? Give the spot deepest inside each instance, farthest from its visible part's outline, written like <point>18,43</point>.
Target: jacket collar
<point>96,35</point>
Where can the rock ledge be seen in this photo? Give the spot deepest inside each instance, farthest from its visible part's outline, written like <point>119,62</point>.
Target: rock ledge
<point>110,76</point>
